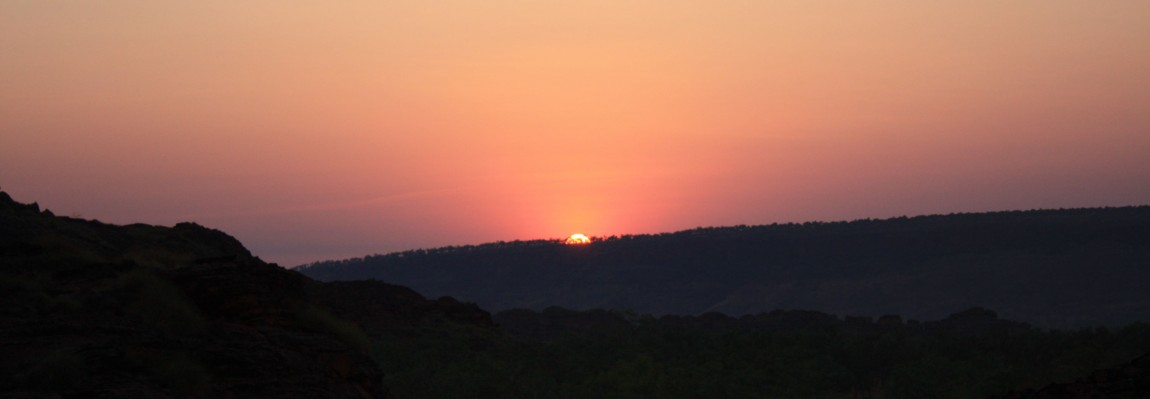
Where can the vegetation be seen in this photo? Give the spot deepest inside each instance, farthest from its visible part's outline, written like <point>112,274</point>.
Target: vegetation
<point>181,373</point>
<point>777,355</point>
<point>316,319</point>
<point>1054,268</point>
<point>142,296</point>
<point>59,369</point>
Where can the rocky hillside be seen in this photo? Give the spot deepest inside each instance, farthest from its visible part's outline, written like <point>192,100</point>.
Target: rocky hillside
<point>89,309</point>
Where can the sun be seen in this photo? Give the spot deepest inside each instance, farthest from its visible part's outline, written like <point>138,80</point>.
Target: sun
<point>577,239</point>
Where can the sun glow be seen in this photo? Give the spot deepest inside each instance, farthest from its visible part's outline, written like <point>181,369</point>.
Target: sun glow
<point>577,239</point>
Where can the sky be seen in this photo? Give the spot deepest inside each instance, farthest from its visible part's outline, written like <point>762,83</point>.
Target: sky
<point>323,130</point>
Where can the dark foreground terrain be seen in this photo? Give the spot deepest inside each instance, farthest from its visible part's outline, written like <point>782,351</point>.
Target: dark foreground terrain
<point>95,310</point>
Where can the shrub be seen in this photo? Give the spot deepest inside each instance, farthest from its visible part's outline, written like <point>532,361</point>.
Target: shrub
<point>151,299</point>
<point>182,374</point>
<point>319,320</point>
<point>62,369</point>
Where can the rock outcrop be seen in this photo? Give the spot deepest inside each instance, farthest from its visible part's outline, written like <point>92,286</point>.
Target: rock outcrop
<point>380,307</point>
<point>89,309</point>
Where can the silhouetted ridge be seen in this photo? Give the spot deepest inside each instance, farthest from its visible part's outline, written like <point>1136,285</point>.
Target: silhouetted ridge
<point>379,307</point>
<point>1047,267</point>
<point>89,309</point>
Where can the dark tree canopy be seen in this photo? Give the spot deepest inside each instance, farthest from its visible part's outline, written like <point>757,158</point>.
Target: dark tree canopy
<point>1061,268</point>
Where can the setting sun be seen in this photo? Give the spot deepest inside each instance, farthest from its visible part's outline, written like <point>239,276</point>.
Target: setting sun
<point>416,124</point>
<point>577,239</point>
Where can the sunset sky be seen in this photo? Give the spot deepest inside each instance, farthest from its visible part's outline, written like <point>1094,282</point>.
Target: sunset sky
<point>318,130</point>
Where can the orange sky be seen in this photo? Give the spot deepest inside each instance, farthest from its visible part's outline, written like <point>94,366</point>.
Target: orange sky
<point>313,130</point>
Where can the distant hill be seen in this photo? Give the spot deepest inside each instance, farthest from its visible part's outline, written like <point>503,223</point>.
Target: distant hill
<point>1051,268</point>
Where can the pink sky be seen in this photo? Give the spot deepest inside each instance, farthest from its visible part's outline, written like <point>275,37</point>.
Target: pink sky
<point>314,131</point>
